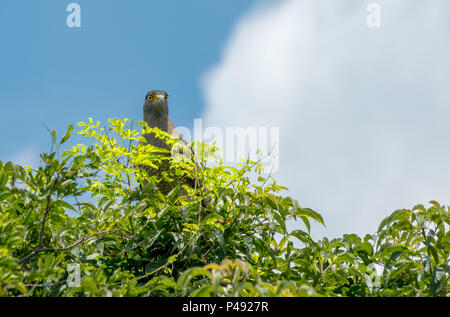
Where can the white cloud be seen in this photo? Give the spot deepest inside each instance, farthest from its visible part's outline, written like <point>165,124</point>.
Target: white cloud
<point>363,113</point>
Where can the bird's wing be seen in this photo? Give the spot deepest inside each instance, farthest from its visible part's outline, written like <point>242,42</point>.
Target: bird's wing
<point>172,130</point>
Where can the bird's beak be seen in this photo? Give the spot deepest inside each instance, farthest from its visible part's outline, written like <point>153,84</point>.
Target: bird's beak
<point>160,99</point>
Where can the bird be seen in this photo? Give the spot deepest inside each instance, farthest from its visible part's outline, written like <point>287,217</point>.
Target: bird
<point>156,115</point>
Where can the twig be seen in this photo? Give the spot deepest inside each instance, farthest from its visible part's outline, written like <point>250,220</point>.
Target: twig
<point>38,249</point>
<point>44,219</point>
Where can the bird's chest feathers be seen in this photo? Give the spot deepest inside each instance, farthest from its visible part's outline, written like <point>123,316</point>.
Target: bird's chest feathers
<point>157,120</point>
<point>160,121</point>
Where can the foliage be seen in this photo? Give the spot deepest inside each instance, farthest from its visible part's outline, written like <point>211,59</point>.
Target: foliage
<point>91,222</point>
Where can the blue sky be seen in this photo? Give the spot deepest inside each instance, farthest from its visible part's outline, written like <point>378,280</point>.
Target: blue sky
<point>362,112</point>
<point>63,75</point>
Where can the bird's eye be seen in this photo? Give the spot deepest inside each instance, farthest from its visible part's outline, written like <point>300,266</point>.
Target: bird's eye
<point>166,98</point>
<point>150,98</point>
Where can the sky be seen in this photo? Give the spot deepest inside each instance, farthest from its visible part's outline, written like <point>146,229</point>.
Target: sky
<point>363,112</point>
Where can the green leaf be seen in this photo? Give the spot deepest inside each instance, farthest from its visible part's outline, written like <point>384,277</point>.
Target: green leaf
<point>438,279</point>
<point>219,237</point>
<point>434,253</point>
<point>65,205</point>
<point>92,256</point>
<point>307,212</point>
<point>346,257</point>
<point>420,221</point>
<point>53,134</point>
<point>211,219</point>
<point>384,224</point>
<point>67,135</point>
<point>21,288</point>
<point>88,284</point>
<point>280,220</point>
<point>306,222</point>
<point>301,235</point>
<point>154,265</point>
<point>3,179</point>
<point>189,274</point>
<point>341,275</point>
<point>269,200</point>
<point>435,204</point>
<point>364,247</point>
<point>205,291</point>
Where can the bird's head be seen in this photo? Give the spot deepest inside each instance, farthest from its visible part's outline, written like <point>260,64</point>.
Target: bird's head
<point>156,103</point>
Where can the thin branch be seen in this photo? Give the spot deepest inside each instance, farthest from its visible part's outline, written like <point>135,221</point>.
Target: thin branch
<point>39,249</point>
<point>44,219</point>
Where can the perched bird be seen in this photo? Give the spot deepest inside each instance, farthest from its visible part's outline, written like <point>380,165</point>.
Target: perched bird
<point>156,114</point>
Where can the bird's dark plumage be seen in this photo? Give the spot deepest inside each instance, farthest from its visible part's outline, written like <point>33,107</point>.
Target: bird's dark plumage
<point>156,114</point>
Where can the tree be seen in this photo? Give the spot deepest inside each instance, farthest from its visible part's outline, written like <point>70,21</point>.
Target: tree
<point>80,225</point>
